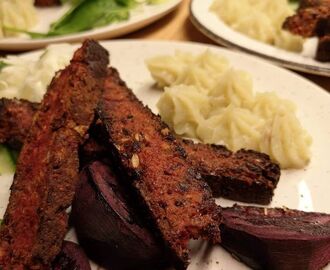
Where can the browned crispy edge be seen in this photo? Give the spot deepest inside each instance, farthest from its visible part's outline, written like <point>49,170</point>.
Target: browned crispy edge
<point>310,21</point>
<point>246,176</point>
<point>179,204</point>
<point>35,221</point>
<point>16,117</point>
<point>312,3</point>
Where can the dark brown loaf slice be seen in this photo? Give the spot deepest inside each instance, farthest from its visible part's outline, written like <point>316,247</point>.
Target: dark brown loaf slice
<point>313,3</point>
<point>279,239</point>
<point>180,205</point>
<point>308,22</point>
<point>35,221</point>
<point>246,175</point>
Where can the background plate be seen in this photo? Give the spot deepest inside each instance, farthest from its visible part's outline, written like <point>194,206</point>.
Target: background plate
<point>139,18</point>
<point>211,26</point>
<point>306,189</point>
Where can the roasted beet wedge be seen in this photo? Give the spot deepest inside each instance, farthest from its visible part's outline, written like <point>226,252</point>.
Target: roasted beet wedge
<point>72,257</point>
<point>276,238</point>
<point>109,227</point>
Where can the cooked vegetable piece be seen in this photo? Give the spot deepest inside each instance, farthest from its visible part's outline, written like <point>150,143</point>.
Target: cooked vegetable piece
<point>89,14</point>
<point>71,257</point>
<point>277,239</point>
<point>7,163</point>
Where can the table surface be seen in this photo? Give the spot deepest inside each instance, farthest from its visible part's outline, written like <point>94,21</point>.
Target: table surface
<point>177,26</point>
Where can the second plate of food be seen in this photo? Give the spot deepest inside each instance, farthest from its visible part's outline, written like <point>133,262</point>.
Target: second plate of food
<point>257,31</point>
<point>119,19</point>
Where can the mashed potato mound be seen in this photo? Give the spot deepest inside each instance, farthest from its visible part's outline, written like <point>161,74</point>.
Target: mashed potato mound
<point>216,104</point>
<point>19,14</point>
<point>28,79</point>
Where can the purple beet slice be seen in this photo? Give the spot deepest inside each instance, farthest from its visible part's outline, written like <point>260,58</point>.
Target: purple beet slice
<point>274,238</point>
<point>71,257</point>
<point>108,227</point>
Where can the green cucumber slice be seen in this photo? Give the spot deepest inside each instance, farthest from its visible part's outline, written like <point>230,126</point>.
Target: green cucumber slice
<point>7,164</point>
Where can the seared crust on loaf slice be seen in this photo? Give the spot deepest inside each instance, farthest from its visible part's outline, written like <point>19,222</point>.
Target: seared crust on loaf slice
<point>16,117</point>
<point>275,238</point>
<point>245,176</point>
<point>312,3</point>
<point>179,203</point>
<point>308,22</point>
<point>35,221</point>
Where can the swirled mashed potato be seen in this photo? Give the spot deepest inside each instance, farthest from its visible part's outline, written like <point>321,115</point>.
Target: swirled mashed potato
<point>259,19</point>
<point>205,98</point>
<point>19,14</point>
<point>28,79</point>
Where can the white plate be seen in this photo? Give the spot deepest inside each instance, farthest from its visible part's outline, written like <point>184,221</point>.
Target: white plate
<point>306,189</point>
<point>214,28</point>
<point>139,18</point>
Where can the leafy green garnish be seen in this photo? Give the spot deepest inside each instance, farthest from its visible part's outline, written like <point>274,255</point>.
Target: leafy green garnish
<point>88,14</point>
<point>3,65</point>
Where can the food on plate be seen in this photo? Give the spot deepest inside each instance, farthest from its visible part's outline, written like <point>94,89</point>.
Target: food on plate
<point>16,14</point>
<point>47,3</point>
<point>226,172</point>
<point>245,176</point>
<point>35,221</point>
<point>274,238</point>
<point>179,203</point>
<point>143,184</point>
<point>16,118</point>
<point>313,19</point>
<point>309,21</point>
<point>89,14</point>
<point>23,78</point>
<point>185,68</point>
<point>71,257</point>
<point>123,237</point>
<point>216,104</point>
<point>259,19</point>
<point>85,15</point>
